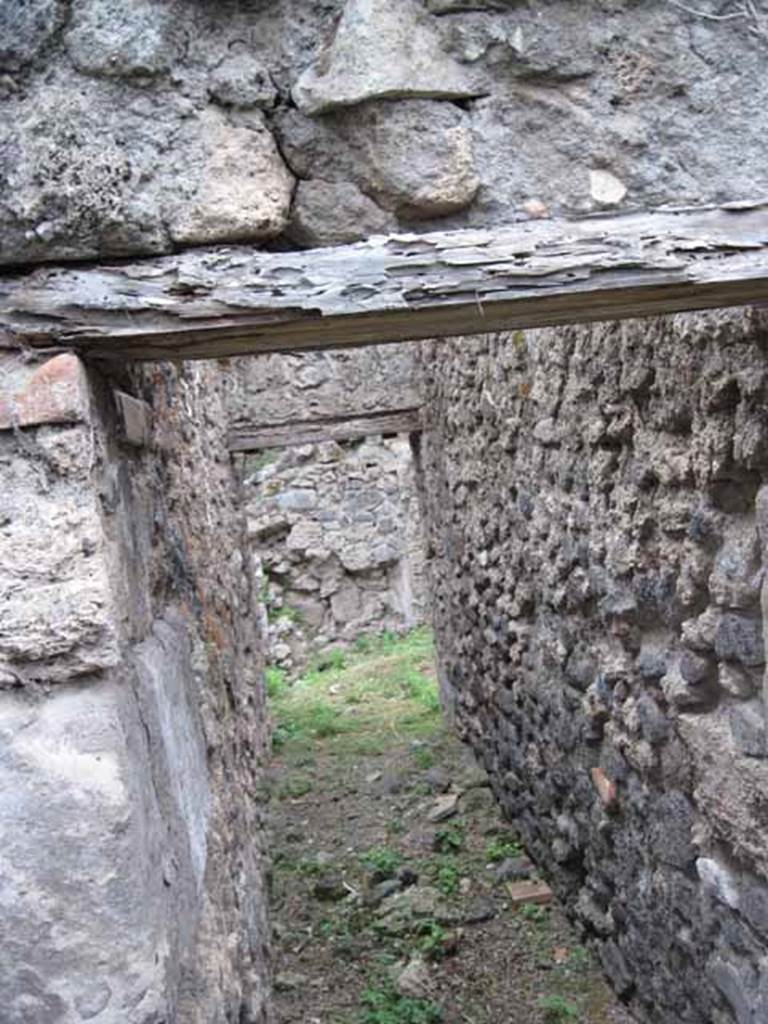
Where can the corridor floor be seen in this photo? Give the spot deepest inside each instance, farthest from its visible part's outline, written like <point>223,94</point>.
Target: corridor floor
<point>399,895</point>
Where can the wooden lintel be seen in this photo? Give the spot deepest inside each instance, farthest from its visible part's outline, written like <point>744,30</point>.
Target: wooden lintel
<point>342,428</point>
<point>210,303</point>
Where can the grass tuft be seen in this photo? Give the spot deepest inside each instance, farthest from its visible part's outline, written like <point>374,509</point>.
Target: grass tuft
<point>558,1010</point>
<point>382,1005</point>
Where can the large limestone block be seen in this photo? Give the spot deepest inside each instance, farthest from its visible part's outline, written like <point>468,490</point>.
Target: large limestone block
<point>418,158</point>
<point>238,188</point>
<point>414,158</point>
<point>59,618</point>
<point>79,174</point>
<point>381,50</point>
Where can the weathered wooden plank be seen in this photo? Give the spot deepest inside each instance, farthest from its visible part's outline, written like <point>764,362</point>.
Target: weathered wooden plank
<point>342,428</point>
<point>229,301</point>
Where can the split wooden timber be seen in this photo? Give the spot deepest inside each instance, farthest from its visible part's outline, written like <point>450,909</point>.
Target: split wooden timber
<point>232,301</point>
<point>341,428</point>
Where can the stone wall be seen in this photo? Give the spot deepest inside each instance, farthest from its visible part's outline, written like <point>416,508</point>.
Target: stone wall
<point>596,515</point>
<point>137,128</point>
<point>130,706</point>
<point>337,539</point>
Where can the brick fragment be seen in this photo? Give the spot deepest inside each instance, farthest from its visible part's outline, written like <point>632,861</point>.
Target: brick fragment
<point>529,891</point>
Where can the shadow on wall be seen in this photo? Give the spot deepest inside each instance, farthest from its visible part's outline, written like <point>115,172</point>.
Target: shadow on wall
<point>336,536</point>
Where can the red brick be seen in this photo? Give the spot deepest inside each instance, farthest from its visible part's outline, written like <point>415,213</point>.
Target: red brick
<point>57,392</point>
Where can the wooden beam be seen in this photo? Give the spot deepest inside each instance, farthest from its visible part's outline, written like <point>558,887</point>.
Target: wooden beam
<point>209,303</point>
<point>341,428</point>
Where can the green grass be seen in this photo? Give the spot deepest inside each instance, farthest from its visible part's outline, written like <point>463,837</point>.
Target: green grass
<point>363,699</point>
<point>421,689</point>
<point>275,681</point>
<point>313,718</point>
<point>424,758</point>
<point>331,661</point>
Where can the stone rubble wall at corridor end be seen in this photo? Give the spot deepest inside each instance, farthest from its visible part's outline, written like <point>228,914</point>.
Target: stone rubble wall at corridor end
<point>335,528</point>
<point>337,540</point>
<point>597,521</point>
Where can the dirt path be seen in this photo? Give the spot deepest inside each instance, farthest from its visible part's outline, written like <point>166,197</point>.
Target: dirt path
<point>382,914</point>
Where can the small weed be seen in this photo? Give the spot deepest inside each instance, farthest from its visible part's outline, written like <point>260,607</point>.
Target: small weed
<point>534,912</point>
<point>264,588</point>
<point>432,940</point>
<point>450,839</point>
<point>307,867</point>
<point>447,878</point>
<point>387,641</point>
<point>558,1010</point>
<point>499,849</point>
<point>266,457</point>
<point>286,614</point>
<point>385,861</point>
<point>382,1005</point>
<point>280,736</point>
<point>419,789</point>
<point>579,958</point>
